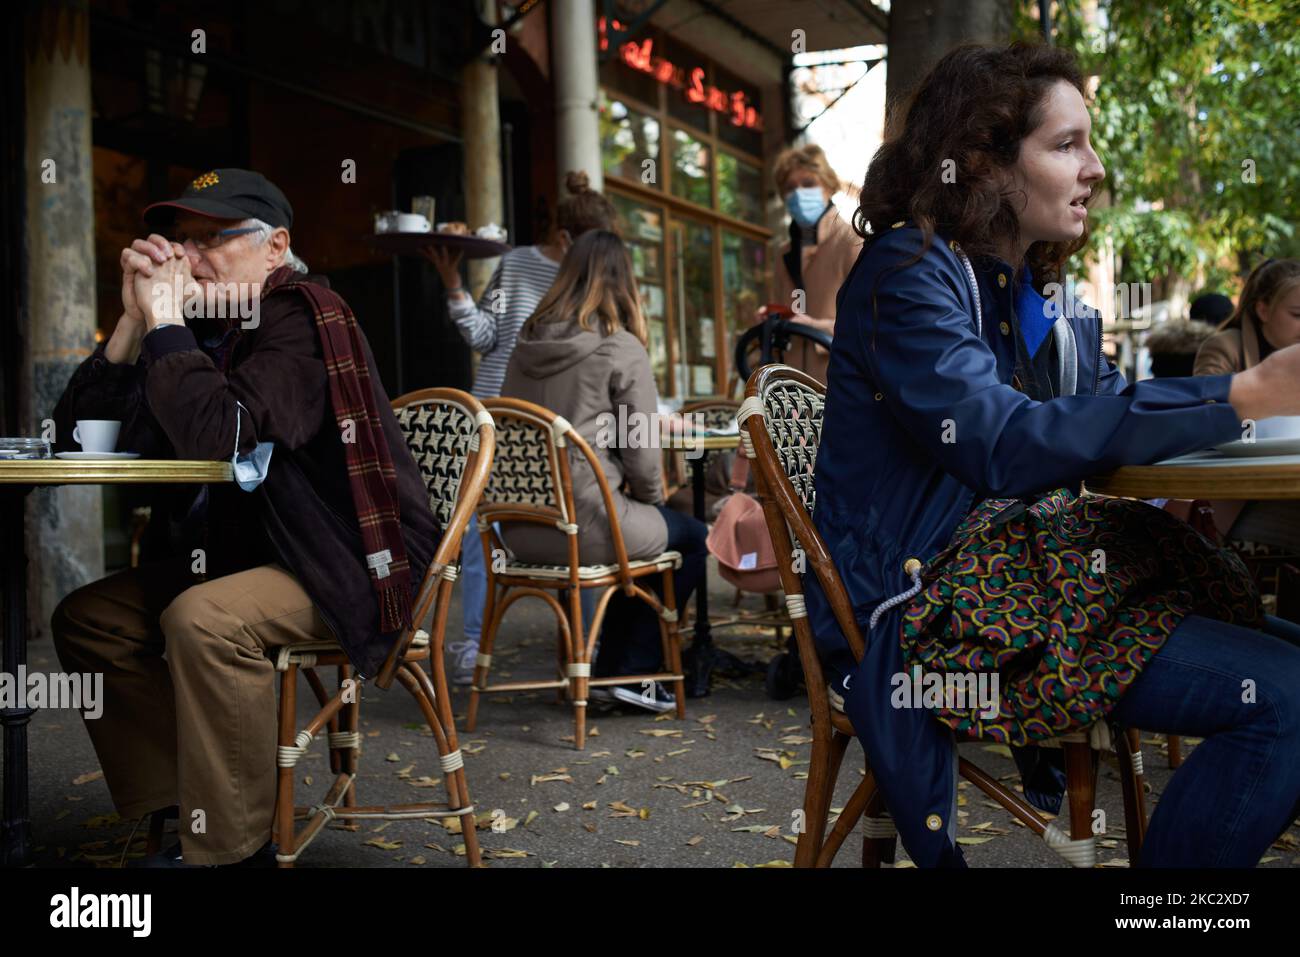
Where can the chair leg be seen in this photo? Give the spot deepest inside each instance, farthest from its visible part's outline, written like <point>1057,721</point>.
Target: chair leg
<point>579,677</point>
<point>823,770</point>
<point>1081,789</point>
<point>437,713</point>
<point>673,637</point>
<point>562,666</point>
<point>1175,751</point>
<point>285,837</point>
<point>1130,776</point>
<point>350,723</point>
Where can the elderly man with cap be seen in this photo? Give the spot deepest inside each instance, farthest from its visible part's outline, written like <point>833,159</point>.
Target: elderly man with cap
<point>327,531</point>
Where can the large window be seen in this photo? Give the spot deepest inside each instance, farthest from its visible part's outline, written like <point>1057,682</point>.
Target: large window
<point>681,143</point>
<point>740,188</point>
<point>629,141</point>
<point>692,169</point>
<point>744,269</point>
<point>643,231</point>
<point>697,362</point>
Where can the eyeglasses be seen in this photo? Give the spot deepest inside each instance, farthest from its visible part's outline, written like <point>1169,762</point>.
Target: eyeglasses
<point>213,239</point>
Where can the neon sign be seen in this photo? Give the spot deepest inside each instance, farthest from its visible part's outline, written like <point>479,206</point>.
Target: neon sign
<point>641,57</point>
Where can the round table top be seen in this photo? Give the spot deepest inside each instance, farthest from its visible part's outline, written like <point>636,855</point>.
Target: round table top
<point>1208,475</point>
<point>111,471</point>
<point>707,442</point>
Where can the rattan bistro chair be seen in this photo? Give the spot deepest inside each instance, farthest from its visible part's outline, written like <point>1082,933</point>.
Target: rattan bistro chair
<point>532,483</point>
<point>451,437</point>
<point>780,422</point>
<point>713,412</point>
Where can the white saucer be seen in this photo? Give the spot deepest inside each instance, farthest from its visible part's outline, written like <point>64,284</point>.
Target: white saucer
<point>1282,446</point>
<point>96,456</point>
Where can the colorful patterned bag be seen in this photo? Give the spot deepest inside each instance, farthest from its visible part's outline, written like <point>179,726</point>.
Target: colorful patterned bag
<point>1065,600</point>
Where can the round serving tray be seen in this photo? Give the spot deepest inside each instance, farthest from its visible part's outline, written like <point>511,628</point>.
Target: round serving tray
<point>410,244</point>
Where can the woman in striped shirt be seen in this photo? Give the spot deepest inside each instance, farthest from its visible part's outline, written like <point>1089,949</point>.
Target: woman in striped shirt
<point>491,326</point>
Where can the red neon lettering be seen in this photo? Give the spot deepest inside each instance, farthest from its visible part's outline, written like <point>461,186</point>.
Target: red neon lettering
<point>695,92</point>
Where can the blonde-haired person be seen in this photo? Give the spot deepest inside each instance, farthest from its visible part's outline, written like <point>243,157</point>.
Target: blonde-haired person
<point>819,255</point>
<point>1267,318</point>
<point>490,326</point>
<point>583,355</point>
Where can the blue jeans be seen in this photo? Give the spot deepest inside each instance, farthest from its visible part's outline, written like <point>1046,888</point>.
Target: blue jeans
<point>629,636</point>
<point>1240,788</point>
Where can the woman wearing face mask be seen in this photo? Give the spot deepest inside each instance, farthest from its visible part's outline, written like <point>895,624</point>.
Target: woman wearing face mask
<point>819,255</point>
<point>963,410</point>
<point>491,326</point>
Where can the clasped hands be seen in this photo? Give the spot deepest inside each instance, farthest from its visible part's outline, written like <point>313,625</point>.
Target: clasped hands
<point>156,281</point>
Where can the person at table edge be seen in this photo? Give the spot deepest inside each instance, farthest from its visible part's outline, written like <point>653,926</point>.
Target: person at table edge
<point>290,397</point>
<point>940,398</point>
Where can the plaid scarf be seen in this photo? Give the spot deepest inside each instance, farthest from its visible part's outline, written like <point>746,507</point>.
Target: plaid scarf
<point>370,465</point>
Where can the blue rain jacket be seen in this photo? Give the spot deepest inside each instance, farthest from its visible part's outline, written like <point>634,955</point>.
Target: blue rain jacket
<point>921,424</point>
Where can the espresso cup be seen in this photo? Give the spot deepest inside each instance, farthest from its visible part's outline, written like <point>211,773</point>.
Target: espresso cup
<point>411,223</point>
<point>96,435</point>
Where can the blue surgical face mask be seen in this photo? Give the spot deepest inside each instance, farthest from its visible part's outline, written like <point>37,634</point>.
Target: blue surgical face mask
<point>251,467</point>
<point>806,205</point>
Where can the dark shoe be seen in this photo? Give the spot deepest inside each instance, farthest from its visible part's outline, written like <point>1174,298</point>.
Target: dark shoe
<point>168,857</point>
<point>656,698</point>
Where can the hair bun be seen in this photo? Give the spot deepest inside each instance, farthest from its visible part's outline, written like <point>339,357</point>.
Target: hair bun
<point>576,182</point>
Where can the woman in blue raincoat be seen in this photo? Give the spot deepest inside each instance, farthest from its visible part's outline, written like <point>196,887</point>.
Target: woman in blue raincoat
<point>967,400</point>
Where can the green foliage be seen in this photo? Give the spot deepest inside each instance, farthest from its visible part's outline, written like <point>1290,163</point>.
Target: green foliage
<point>1193,97</point>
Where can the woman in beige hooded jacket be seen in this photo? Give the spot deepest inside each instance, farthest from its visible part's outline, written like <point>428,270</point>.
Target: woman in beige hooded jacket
<point>582,355</point>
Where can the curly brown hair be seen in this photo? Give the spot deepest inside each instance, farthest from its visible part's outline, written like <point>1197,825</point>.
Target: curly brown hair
<point>975,107</point>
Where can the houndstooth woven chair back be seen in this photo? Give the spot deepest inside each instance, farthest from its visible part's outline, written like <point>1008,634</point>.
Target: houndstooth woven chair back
<point>441,427</point>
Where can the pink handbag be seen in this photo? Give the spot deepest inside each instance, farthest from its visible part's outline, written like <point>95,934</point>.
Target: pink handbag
<point>740,542</point>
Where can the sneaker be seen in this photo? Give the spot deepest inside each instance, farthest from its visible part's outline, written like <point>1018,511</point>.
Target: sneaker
<point>464,657</point>
<point>600,694</point>
<point>657,699</point>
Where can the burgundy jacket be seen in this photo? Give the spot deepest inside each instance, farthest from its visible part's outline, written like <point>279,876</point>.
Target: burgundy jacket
<point>176,402</point>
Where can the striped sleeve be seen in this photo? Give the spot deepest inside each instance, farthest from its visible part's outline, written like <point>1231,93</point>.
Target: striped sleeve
<point>492,325</point>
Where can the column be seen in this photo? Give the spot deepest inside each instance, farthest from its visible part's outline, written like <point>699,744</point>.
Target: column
<point>64,526</point>
<point>481,130</point>
<point>573,45</point>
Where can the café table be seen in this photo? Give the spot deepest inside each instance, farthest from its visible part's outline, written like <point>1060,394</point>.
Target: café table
<point>1208,475</point>
<point>703,656</point>
<point>17,478</point>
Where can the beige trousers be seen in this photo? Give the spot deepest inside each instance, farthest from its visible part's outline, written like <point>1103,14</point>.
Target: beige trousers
<point>189,713</point>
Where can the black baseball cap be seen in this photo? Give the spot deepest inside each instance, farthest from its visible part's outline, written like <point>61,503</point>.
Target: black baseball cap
<point>226,194</point>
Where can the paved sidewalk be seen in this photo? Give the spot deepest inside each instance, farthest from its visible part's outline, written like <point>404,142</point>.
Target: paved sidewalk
<point>638,795</point>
